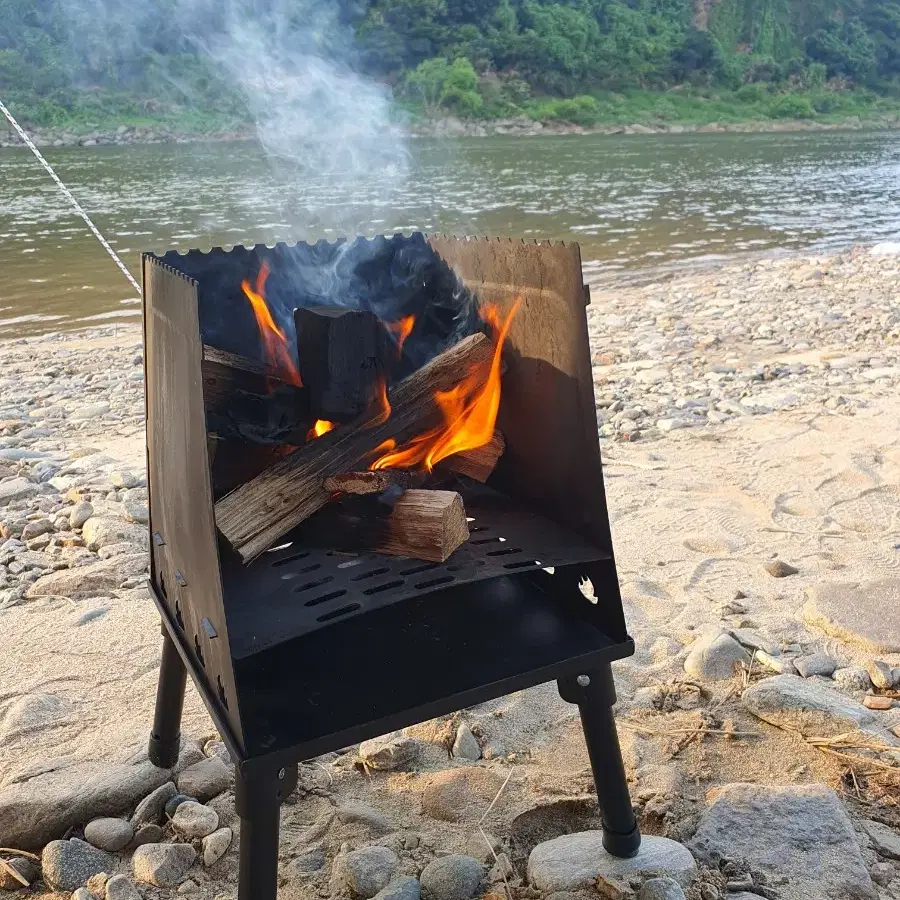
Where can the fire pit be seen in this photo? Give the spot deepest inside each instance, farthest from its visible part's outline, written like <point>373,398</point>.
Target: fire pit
<point>374,457</point>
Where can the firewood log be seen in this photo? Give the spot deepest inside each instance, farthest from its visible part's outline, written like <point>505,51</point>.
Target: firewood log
<point>224,373</point>
<point>421,524</point>
<point>360,483</point>
<point>477,464</point>
<point>254,516</point>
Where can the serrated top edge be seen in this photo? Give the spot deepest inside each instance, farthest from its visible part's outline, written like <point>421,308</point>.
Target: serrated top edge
<point>157,261</point>
<point>359,239</point>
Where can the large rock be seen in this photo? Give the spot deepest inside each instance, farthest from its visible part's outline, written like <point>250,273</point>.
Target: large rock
<point>90,580</point>
<point>715,656</point>
<point>798,833</point>
<point>36,810</point>
<point>578,860</point>
<point>813,709</point>
<point>366,872</point>
<point>163,865</point>
<point>452,877</point>
<point>458,794</point>
<point>205,779</point>
<point>98,531</point>
<point>67,865</point>
<point>868,614</point>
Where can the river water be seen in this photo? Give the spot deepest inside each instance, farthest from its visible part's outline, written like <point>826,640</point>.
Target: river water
<point>630,201</point>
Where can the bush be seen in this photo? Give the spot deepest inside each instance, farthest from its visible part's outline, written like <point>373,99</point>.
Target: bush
<point>582,110</point>
<point>792,106</point>
<point>752,93</point>
<point>816,73</point>
<point>826,103</point>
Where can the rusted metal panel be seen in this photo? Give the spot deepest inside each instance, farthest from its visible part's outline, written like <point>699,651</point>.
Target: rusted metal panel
<point>184,556</point>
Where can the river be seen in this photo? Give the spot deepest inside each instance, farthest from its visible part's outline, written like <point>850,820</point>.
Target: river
<point>631,202</point>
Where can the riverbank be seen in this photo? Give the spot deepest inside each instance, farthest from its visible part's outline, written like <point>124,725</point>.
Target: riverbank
<point>750,425</point>
<point>448,126</point>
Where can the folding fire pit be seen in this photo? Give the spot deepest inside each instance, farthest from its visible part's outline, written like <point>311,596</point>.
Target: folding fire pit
<point>375,498</point>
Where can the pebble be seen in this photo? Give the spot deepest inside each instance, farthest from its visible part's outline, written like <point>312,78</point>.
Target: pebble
<point>147,834</point>
<point>163,865</point>
<point>465,746</point>
<point>175,801</point>
<point>852,678</point>
<point>405,888</point>
<point>778,568</point>
<point>121,887</point>
<point>815,664</point>
<point>661,889</point>
<point>389,752</point>
<point>27,868</point>
<point>307,863</point>
<point>578,860</point>
<point>111,835</point>
<point>36,529</point>
<point>215,846</point>
<point>194,820</point>
<point>881,674</point>
<point>205,779</point>
<point>150,809</point>
<point>715,656</point>
<point>80,514</point>
<point>885,840</point>
<point>365,872</point>
<point>452,877</point>
<point>83,894</point>
<point>67,865</point>
<point>870,701</point>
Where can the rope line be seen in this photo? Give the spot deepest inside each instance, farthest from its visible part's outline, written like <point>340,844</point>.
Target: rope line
<point>68,195</point>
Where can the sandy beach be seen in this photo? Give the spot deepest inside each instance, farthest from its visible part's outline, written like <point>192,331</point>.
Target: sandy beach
<point>750,425</point>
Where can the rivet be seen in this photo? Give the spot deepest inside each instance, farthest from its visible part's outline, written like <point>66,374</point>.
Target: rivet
<point>583,680</point>
<point>281,774</point>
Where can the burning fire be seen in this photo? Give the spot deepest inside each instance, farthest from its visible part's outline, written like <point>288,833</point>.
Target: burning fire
<point>275,345</point>
<point>320,427</point>
<point>469,412</point>
<point>401,330</point>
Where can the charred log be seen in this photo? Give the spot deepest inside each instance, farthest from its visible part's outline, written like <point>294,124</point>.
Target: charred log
<point>255,515</point>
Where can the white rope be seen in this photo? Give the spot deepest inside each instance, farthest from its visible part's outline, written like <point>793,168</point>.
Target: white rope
<point>68,195</point>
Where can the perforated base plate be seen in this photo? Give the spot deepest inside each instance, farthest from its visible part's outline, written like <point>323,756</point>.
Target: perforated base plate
<point>299,587</point>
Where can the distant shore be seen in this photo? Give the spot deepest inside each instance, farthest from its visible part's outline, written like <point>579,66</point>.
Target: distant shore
<point>125,135</point>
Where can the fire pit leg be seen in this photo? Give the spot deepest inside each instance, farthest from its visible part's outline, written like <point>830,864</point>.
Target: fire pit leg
<point>258,798</point>
<point>165,739</point>
<point>595,694</point>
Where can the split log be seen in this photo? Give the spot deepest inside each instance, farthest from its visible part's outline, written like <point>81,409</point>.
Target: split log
<point>225,373</point>
<point>360,483</point>
<point>421,524</point>
<point>344,359</point>
<point>255,515</point>
<point>477,464</point>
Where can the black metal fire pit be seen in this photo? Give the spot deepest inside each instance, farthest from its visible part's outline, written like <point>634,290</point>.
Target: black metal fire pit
<point>282,650</point>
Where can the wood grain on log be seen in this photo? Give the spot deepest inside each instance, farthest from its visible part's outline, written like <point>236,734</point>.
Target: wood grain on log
<point>367,482</point>
<point>224,373</point>
<point>477,464</point>
<point>422,524</point>
<point>255,515</point>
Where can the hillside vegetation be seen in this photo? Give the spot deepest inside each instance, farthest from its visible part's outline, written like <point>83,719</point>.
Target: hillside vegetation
<point>583,61</point>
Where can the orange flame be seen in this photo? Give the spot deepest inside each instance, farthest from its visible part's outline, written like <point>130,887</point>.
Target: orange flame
<point>320,427</point>
<point>401,330</point>
<point>469,411</point>
<point>382,406</point>
<point>275,343</point>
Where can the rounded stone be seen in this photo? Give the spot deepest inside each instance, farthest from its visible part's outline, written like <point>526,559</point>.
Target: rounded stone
<point>194,820</point>
<point>405,888</point>
<point>366,872</point>
<point>147,834</point>
<point>453,877</point>
<point>111,835</point>
<point>120,887</point>
<point>216,845</point>
<point>163,865</point>
<point>661,889</point>
<point>174,802</point>
<point>67,865</point>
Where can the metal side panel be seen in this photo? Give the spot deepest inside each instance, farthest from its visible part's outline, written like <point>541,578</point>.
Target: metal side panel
<point>184,554</point>
<point>547,414</point>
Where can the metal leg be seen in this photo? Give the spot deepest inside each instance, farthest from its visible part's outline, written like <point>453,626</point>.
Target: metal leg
<point>258,798</point>
<point>595,694</point>
<point>165,739</point>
